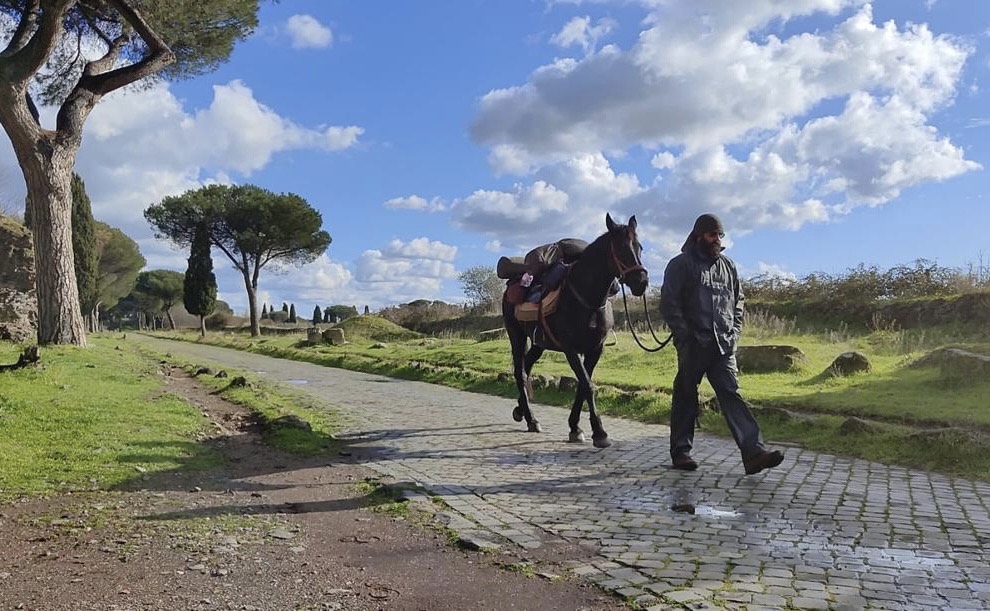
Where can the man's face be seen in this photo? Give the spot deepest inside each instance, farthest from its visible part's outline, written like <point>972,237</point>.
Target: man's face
<point>711,242</point>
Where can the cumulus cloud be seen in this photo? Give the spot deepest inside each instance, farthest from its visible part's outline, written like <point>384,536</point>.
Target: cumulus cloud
<point>580,32</point>
<point>306,32</point>
<point>737,120</point>
<point>566,199</point>
<point>704,81</point>
<point>403,271</point>
<point>415,202</point>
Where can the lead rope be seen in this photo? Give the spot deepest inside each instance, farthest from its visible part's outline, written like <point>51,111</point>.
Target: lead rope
<point>649,324</point>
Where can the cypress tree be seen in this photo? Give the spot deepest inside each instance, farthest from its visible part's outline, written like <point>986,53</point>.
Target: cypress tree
<point>292,313</point>
<point>84,250</point>
<point>317,316</point>
<point>264,310</point>
<point>285,307</point>
<point>199,289</point>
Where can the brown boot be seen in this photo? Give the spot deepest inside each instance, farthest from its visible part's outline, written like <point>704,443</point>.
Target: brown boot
<point>684,462</point>
<point>762,460</point>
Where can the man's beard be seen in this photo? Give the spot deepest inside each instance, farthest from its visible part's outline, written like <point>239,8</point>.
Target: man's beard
<point>710,249</point>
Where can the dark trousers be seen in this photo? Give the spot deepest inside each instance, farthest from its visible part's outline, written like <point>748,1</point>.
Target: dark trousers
<point>695,360</point>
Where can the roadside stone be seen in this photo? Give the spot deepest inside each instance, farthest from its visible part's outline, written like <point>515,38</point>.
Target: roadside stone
<point>764,359</point>
<point>281,533</point>
<point>849,363</point>
<point>857,426</point>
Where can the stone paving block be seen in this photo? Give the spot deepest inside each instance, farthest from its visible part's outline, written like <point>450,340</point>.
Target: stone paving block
<point>809,603</point>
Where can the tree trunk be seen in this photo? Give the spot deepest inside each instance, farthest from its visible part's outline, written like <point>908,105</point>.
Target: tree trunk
<point>252,293</point>
<point>171,321</point>
<point>202,326</point>
<point>48,176</point>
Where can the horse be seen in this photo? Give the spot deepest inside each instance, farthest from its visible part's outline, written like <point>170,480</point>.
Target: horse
<point>580,324</point>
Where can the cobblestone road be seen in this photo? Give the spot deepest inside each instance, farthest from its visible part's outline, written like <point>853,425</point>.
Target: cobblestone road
<point>817,532</point>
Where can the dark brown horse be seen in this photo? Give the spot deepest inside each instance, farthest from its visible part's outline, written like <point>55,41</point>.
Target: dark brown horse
<point>580,324</point>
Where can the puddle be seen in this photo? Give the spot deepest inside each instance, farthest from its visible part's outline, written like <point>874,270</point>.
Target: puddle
<point>298,381</point>
<point>704,510</point>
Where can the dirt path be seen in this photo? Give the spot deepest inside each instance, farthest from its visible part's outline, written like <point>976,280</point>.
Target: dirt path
<point>268,531</point>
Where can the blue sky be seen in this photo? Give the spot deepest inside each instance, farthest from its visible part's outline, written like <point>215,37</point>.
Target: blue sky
<point>435,136</point>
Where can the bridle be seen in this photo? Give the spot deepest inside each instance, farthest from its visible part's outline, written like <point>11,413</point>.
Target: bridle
<point>622,272</point>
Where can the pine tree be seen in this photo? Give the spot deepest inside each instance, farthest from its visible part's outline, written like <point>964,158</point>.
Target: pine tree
<point>199,289</point>
<point>317,316</point>
<point>84,251</point>
<point>292,313</point>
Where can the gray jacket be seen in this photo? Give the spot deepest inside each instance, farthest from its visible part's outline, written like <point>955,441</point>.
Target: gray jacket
<point>701,299</point>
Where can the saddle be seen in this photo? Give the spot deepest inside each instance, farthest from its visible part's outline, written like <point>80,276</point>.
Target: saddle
<point>532,312</point>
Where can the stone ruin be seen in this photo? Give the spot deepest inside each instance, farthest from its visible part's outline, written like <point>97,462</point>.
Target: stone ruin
<point>18,299</point>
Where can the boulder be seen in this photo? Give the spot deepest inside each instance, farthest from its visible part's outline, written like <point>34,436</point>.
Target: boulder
<point>762,359</point>
<point>313,336</point>
<point>856,426</point>
<point>18,299</point>
<point>567,384</point>
<point>962,366</point>
<point>334,336</point>
<point>849,363</point>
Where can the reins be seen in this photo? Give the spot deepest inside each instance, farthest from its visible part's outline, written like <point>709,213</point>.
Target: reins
<point>649,324</point>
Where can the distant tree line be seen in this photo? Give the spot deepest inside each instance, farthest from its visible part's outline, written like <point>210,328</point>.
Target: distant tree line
<point>330,314</point>
<point>863,283</point>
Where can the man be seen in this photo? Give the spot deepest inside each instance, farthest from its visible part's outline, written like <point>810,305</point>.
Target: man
<point>702,303</point>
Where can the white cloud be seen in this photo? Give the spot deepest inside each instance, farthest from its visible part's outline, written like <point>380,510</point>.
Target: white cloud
<point>420,248</point>
<point>738,121</point>
<point>580,32</point>
<point>567,199</point>
<point>415,202</point>
<point>306,32</point>
<point>403,271</point>
<point>774,270</point>
<point>699,82</point>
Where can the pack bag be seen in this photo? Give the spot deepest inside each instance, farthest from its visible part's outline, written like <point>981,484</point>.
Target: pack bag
<point>515,293</point>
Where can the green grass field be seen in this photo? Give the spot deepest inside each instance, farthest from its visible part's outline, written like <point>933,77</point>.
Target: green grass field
<point>91,419</point>
<point>100,418</point>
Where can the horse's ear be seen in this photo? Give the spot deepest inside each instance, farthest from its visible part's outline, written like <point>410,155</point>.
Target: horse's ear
<point>632,222</point>
<point>609,222</point>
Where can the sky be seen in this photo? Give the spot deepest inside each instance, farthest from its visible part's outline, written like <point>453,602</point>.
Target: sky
<point>435,136</point>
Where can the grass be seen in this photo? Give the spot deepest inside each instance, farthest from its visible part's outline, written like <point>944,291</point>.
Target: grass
<point>91,419</point>
<point>637,385</point>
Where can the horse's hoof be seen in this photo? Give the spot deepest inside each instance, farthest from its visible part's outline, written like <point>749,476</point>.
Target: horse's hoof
<point>534,427</point>
<point>576,437</point>
<point>601,442</point>
<point>517,414</point>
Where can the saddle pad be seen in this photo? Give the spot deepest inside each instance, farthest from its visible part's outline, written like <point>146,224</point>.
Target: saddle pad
<point>530,312</point>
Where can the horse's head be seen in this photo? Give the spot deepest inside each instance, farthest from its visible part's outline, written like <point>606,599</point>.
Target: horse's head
<point>624,253</point>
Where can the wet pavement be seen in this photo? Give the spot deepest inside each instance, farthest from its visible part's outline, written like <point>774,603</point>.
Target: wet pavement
<point>817,532</point>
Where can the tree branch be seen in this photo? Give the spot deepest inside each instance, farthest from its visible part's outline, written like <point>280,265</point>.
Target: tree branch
<point>159,55</point>
<point>25,62</point>
<point>25,27</point>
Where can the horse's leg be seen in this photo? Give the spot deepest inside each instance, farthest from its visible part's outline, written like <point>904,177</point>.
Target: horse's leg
<point>574,420</point>
<point>533,355</point>
<point>598,436</point>
<point>518,341</point>
<point>583,392</point>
